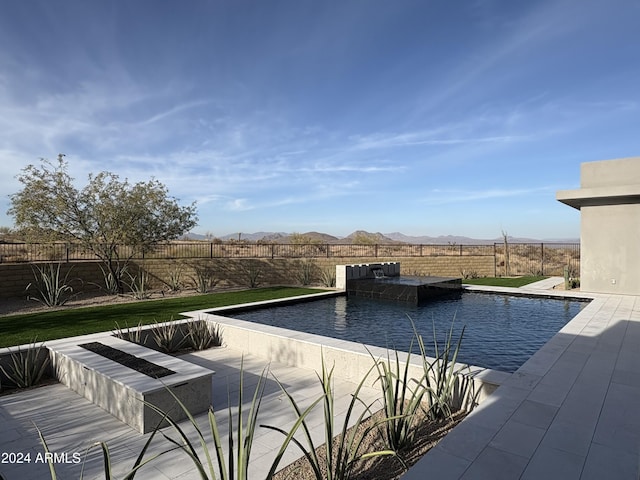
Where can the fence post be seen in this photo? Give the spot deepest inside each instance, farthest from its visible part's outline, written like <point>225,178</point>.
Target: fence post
<point>376,251</point>
<point>495,261</point>
<point>460,249</point>
<point>211,250</point>
<point>542,258</point>
<point>66,247</point>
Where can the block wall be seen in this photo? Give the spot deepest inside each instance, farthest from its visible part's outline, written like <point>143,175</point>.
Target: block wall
<point>232,272</point>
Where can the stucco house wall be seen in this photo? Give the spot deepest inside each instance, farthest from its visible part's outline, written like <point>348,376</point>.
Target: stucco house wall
<point>609,204</point>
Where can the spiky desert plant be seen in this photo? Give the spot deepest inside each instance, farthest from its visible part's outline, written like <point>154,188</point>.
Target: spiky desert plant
<point>168,336</point>
<point>27,367</point>
<point>202,334</point>
<point>139,285</point>
<point>106,456</point>
<point>215,464</point>
<point>133,334</point>
<point>112,280</point>
<point>402,401</point>
<point>305,275</point>
<point>174,277</point>
<point>204,278</point>
<point>328,277</point>
<point>341,454</point>
<point>441,375</point>
<point>251,272</point>
<point>52,289</point>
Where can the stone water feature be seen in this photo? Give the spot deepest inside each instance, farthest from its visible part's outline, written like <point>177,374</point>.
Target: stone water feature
<point>383,281</point>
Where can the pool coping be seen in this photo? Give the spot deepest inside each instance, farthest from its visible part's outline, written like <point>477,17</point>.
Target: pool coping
<point>352,359</point>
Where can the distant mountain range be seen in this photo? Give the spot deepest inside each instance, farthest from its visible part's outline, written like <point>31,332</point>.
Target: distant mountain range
<point>361,236</point>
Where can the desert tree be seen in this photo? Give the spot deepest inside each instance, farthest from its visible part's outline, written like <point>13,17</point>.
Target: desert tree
<point>103,216</point>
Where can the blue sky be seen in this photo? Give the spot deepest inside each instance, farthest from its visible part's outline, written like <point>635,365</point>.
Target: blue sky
<point>425,117</point>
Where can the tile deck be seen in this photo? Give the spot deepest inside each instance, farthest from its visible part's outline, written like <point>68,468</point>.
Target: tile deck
<point>570,412</point>
<point>70,423</point>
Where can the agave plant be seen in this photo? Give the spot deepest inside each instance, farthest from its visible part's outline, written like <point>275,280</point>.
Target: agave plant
<point>204,279</point>
<point>402,401</point>
<point>441,376</point>
<point>134,334</point>
<point>252,272</point>
<point>174,277</point>
<point>168,336</point>
<point>106,458</point>
<point>214,463</point>
<point>111,281</point>
<point>27,366</point>
<point>52,289</point>
<point>305,275</point>
<point>202,334</point>
<point>139,285</point>
<point>328,277</point>
<point>341,456</point>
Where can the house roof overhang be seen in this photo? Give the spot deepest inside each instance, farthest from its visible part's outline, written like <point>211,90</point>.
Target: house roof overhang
<point>595,196</point>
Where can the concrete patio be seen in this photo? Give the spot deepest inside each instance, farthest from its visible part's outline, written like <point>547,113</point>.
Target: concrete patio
<point>70,423</point>
<point>570,412</point>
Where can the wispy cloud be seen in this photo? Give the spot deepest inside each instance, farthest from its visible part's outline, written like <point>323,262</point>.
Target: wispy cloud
<point>441,197</point>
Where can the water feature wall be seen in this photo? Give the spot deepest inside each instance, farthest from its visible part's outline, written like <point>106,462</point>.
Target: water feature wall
<point>383,281</point>
<point>344,273</point>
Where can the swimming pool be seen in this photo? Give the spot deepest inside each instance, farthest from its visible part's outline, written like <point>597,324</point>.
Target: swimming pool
<point>501,331</point>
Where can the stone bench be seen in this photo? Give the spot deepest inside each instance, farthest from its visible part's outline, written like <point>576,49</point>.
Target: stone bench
<point>125,392</point>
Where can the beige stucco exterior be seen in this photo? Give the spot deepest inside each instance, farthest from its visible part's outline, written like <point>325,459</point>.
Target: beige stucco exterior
<point>609,204</point>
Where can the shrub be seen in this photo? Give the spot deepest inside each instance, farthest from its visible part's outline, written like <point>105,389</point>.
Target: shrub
<point>112,280</point>
<point>305,275</point>
<point>251,271</point>
<point>174,277</point>
<point>236,464</point>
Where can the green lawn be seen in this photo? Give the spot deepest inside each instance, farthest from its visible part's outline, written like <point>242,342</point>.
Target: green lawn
<point>21,329</point>
<point>504,282</point>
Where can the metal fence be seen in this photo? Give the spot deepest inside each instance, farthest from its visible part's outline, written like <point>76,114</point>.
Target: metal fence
<point>515,259</point>
<point>537,259</point>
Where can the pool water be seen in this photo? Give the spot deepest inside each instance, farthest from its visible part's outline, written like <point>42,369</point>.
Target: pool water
<point>501,331</point>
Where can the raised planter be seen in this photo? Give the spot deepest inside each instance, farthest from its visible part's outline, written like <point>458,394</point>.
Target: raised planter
<point>122,390</point>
